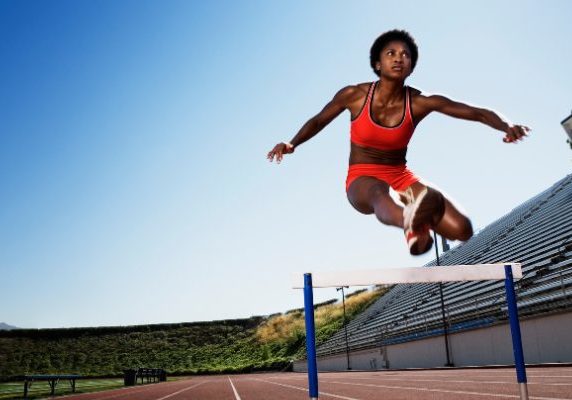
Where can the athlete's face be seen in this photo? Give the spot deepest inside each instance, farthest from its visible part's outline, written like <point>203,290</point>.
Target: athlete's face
<point>395,61</point>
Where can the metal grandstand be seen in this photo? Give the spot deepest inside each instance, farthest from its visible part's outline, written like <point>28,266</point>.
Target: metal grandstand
<point>537,234</point>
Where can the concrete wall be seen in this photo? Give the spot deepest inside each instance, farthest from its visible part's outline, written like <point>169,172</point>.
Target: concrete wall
<point>545,340</point>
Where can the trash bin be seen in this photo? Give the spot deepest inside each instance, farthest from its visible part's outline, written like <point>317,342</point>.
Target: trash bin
<point>129,377</point>
<point>162,376</point>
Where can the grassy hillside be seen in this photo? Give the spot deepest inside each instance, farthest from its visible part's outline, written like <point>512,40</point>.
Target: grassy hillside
<point>257,343</point>
<point>284,335</point>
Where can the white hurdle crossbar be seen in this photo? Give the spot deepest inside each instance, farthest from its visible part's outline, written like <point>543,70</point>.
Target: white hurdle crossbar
<point>452,273</point>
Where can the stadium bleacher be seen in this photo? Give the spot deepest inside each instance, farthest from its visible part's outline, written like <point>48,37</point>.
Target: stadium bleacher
<point>538,234</point>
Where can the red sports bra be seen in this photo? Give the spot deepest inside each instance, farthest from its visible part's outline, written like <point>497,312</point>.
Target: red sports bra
<point>367,133</point>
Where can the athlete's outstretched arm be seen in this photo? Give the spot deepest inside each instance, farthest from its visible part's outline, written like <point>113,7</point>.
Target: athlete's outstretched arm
<point>315,124</point>
<point>513,132</point>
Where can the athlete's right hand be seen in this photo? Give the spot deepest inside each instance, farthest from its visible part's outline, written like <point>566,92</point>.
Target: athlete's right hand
<point>278,152</point>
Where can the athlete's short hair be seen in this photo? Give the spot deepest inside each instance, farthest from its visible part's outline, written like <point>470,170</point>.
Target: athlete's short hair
<point>390,36</point>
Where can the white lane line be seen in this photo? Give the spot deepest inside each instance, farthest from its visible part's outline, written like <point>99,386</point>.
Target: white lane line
<point>285,378</point>
<point>306,390</point>
<point>181,391</point>
<point>445,391</point>
<point>234,389</point>
<point>479,374</point>
<point>131,390</point>
<point>453,381</point>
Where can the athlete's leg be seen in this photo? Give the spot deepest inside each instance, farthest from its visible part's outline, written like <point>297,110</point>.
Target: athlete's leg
<point>454,225</point>
<point>369,195</point>
<point>435,210</point>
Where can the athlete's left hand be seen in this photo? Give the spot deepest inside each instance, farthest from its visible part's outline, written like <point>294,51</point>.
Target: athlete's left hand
<point>515,133</point>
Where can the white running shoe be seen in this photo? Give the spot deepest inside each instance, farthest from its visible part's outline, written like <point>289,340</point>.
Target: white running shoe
<point>427,208</point>
<point>419,242</point>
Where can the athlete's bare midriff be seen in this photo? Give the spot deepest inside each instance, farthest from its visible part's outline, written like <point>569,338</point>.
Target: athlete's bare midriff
<point>369,155</point>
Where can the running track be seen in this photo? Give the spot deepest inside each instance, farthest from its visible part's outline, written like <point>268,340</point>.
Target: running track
<point>457,384</point>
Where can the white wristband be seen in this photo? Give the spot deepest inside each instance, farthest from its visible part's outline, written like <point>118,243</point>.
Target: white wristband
<point>289,145</point>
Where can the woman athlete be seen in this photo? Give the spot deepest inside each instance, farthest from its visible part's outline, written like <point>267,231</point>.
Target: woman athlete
<point>384,115</point>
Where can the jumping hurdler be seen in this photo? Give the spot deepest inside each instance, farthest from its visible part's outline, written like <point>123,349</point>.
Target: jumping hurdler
<point>384,114</point>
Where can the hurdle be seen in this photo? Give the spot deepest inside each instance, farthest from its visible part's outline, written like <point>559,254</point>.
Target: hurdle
<point>391,276</point>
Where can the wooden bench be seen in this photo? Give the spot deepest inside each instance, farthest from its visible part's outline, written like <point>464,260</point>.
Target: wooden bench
<point>52,380</point>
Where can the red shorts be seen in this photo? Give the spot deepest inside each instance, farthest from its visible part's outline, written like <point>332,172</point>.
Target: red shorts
<point>399,177</point>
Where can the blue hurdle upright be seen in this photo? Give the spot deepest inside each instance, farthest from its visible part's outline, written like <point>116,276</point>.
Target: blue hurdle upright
<point>452,273</point>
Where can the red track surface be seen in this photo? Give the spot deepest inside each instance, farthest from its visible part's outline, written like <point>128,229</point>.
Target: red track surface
<point>456,384</point>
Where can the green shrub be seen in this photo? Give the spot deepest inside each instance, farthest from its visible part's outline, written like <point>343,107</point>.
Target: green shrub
<point>229,346</point>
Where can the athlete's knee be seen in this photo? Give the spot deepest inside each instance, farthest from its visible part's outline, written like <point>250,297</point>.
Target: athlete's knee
<point>468,231</point>
<point>465,230</point>
<point>455,227</point>
<point>360,206</point>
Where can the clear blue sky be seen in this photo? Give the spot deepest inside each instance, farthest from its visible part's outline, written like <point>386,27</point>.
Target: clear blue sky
<point>133,181</point>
